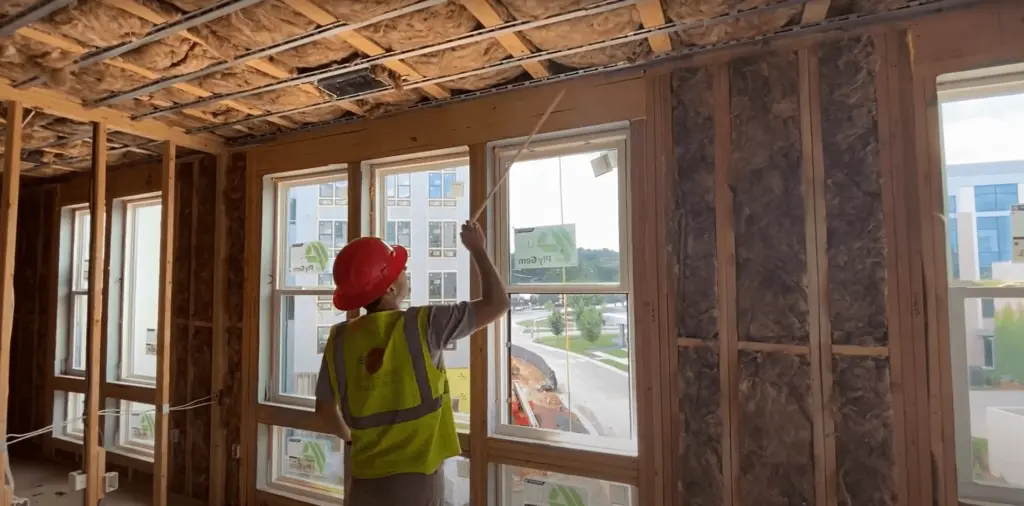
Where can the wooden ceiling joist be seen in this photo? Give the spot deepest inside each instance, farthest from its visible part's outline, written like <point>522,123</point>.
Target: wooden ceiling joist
<point>652,15</point>
<point>73,48</point>
<point>264,66</point>
<point>512,42</point>
<point>61,105</point>
<point>364,45</point>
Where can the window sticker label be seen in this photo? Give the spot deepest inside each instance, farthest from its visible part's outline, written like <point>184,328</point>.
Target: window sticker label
<point>545,247</point>
<point>1017,228</point>
<point>308,257</point>
<point>545,493</point>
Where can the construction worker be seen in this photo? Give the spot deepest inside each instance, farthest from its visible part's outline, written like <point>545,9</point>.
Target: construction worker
<point>382,386</point>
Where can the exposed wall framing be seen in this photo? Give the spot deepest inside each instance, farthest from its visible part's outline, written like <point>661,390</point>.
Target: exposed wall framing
<point>775,165</point>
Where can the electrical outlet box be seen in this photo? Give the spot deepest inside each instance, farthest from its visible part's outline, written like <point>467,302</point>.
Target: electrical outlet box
<point>76,480</point>
<point>462,468</point>
<point>175,435</point>
<point>110,481</point>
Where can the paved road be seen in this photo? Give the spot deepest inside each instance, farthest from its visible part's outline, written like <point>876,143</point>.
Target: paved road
<point>597,392</point>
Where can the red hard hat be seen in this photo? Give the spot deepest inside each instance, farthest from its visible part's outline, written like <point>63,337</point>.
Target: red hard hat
<point>364,270</point>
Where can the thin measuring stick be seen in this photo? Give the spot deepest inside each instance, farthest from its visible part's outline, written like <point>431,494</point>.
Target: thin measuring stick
<point>490,195</point>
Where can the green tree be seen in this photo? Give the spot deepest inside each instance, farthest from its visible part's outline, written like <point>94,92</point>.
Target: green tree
<point>556,322</point>
<point>1008,345</point>
<point>579,303</point>
<point>590,321</point>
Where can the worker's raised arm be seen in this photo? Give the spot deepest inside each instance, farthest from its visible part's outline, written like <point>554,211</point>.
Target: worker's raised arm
<point>493,302</point>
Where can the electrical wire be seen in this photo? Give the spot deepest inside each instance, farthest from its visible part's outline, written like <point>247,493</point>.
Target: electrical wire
<point>198,403</point>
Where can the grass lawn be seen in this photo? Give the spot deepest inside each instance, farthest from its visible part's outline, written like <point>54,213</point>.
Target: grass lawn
<point>617,352</point>
<point>579,345</point>
<point>617,365</point>
<point>541,323</point>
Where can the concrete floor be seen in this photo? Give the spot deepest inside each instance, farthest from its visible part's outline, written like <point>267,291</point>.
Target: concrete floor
<point>46,484</point>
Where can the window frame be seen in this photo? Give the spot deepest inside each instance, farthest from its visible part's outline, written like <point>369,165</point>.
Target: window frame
<point>274,269</point>
<point>389,223</point>
<point>270,475</point>
<point>443,299</point>
<point>607,137</point>
<point>72,242</point>
<point>969,489</point>
<point>443,251</point>
<point>126,253</point>
<point>125,442</point>
<point>334,198</point>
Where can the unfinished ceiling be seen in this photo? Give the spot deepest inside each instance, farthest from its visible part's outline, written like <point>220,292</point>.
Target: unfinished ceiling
<point>246,68</point>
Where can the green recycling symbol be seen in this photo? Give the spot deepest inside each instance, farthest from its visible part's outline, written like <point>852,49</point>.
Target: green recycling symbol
<point>316,254</point>
<point>314,452</point>
<point>564,496</point>
<point>556,240</point>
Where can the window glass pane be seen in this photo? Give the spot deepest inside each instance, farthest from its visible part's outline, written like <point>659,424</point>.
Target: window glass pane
<point>138,425</point>
<point>449,235</point>
<point>340,234</point>
<point>405,233</point>
<point>434,288</point>
<point>74,410</point>
<point>570,364</point>
<point>451,285</point>
<point>341,192</point>
<point>522,486</point>
<point>307,462</point>
<point>326,190</point>
<point>449,179</point>
<point>991,349</point>
<point>78,331</point>
<point>313,222</point>
<point>564,221</point>
<point>389,233</point>
<point>299,351</point>
<point>389,184</point>
<point>435,234</point>
<point>404,190</point>
<point>322,334</point>
<point>142,290</point>
<point>421,227</point>
<point>983,158</point>
<point>81,250</point>
<point>434,179</point>
<point>456,482</point>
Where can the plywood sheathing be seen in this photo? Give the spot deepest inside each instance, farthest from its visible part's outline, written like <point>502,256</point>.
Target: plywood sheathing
<point>695,264</point>
<point>856,253</point>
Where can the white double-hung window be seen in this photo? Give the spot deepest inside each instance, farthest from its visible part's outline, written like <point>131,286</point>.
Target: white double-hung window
<point>564,368</point>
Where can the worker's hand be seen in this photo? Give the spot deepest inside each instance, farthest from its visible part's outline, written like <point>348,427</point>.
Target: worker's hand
<point>473,237</point>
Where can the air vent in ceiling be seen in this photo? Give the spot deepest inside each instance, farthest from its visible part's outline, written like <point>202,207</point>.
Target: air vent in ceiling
<point>349,83</point>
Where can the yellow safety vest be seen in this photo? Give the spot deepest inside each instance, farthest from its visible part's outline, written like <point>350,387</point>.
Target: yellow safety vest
<point>396,401</point>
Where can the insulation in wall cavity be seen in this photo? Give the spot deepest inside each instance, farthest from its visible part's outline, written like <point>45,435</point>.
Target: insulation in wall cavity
<point>183,244</point>
<point>234,197</point>
<point>43,337</point>
<point>693,213</point>
<point>204,236</point>
<point>179,396</point>
<point>776,452</point>
<point>700,442</point>
<point>863,424</point>
<point>200,357</point>
<point>766,180</point>
<point>232,404</point>
<point>853,192</point>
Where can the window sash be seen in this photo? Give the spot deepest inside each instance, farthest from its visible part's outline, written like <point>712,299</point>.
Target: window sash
<point>968,488</point>
<point>274,392</point>
<point>278,193</point>
<point>564,146</point>
<point>128,303</point>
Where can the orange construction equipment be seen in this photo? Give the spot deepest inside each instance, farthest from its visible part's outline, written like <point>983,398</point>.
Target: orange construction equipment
<point>364,270</point>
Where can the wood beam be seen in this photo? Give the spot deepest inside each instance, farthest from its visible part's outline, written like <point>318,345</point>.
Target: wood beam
<point>512,42</point>
<point>478,415</point>
<point>367,46</point>
<point>219,346</point>
<point>652,15</point>
<point>8,234</point>
<point>264,66</point>
<point>94,331</point>
<point>161,446</point>
<point>73,48</point>
<point>64,106</point>
<point>815,11</point>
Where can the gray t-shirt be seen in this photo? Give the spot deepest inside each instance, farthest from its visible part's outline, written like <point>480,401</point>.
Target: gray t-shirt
<point>445,323</point>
